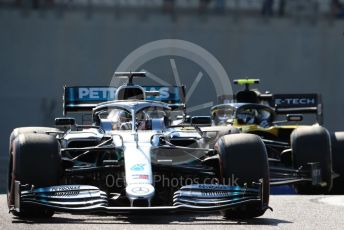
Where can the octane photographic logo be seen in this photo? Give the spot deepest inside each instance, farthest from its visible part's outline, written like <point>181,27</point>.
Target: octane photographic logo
<point>175,50</point>
<point>173,182</point>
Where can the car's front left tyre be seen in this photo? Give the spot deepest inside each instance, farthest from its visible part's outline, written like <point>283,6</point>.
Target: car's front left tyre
<point>244,157</point>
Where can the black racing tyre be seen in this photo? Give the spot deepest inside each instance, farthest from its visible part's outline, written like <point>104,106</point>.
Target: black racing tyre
<point>244,156</point>
<point>312,144</point>
<point>38,129</point>
<point>337,141</point>
<point>35,159</point>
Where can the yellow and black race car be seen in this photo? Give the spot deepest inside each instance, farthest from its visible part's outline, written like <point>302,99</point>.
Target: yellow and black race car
<point>307,156</point>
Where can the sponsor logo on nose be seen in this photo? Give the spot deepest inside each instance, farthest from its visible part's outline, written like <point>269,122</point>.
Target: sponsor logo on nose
<point>137,167</point>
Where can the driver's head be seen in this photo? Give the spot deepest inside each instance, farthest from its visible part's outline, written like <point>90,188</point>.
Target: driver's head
<point>118,117</point>
<point>142,116</point>
<point>247,116</point>
<point>142,120</point>
<point>124,116</point>
<point>264,115</point>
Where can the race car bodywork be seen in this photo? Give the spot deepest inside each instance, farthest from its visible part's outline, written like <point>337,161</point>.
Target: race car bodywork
<point>132,159</point>
<point>299,154</point>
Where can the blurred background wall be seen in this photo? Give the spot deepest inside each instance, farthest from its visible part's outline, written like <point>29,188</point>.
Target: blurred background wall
<point>47,44</point>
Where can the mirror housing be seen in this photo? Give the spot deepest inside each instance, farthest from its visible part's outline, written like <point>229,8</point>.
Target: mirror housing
<point>294,117</point>
<point>201,120</point>
<point>64,121</point>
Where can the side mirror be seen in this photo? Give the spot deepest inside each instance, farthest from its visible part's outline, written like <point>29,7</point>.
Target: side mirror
<point>186,118</point>
<point>294,117</point>
<point>179,117</point>
<point>64,121</point>
<point>201,120</point>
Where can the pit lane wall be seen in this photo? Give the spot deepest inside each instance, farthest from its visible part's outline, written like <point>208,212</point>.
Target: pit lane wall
<point>42,51</point>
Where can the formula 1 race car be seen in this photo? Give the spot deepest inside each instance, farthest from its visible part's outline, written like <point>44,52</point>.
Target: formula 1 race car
<point>299,154</point>
<point>132,159</point>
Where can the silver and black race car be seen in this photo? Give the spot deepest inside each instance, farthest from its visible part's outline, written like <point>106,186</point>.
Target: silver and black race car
<point>134,157</point>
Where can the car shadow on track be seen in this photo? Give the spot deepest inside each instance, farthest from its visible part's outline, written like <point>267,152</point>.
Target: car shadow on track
<point>152,220</point>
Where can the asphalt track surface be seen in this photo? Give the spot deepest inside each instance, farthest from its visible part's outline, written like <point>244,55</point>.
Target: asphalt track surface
<point>290,212</point>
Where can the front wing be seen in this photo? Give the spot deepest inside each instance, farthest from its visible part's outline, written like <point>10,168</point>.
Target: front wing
<point>84,199</point>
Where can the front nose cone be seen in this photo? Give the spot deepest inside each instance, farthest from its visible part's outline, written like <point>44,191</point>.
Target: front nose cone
<point>140,192</point>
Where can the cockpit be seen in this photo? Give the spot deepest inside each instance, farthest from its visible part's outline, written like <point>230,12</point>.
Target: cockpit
<point>148,117</point>
<point>243,114</point>
<point>254,115</point>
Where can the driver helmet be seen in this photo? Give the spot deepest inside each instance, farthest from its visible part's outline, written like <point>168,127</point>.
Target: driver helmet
<point>119,118</point>
<point>264,115</point>
<point>247,116</point>
<point>142,119</point>
<point>264,118</point>
<point>124,116</point>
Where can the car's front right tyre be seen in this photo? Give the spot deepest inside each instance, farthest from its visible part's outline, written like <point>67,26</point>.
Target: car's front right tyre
<point>35,160</point>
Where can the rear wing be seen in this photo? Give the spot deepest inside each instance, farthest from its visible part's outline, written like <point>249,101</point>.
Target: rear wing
<point>298,103</point>
<point>85,98</point>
